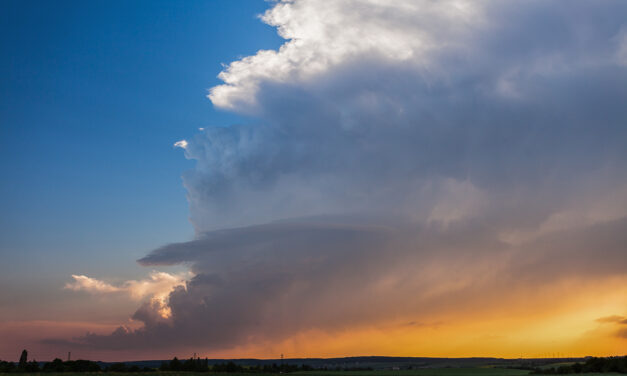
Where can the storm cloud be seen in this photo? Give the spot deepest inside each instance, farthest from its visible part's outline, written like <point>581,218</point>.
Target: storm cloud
<point>409,161</point>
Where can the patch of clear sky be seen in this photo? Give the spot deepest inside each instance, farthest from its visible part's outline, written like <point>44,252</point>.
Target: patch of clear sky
<point>93,96</point>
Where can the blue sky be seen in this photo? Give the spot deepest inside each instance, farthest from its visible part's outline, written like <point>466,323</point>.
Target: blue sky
<point>93,96</point>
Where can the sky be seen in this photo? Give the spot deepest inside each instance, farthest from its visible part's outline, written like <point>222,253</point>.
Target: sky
<point>251,178</point>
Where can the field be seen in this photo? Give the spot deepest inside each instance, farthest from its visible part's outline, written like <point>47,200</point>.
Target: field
<point>477,371</point>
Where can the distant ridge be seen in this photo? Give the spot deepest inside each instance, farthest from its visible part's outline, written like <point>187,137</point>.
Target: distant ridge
<point>376,362</point>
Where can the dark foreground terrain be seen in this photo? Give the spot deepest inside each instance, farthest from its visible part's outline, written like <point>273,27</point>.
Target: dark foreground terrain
<point>354,366</point>
<point>417,372</point>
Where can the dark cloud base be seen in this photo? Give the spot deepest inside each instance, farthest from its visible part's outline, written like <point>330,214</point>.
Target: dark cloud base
<point>268,282</point>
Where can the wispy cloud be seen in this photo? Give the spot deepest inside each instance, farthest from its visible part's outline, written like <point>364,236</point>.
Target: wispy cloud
<point>612,319</point>
<point>85,283</point>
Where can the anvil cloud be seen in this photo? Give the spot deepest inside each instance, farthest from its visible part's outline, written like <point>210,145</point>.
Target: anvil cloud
<point>455,168</point>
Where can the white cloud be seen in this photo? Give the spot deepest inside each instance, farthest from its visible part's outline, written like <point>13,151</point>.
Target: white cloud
<point>181,144</point>
<point>159,285</point>
<point>321,37</point>
<point>85,283</point>
<point>156,288</point>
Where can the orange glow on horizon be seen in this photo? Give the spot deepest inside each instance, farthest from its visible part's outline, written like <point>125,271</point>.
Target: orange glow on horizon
<point>562,320</point>
<point>534,328</point>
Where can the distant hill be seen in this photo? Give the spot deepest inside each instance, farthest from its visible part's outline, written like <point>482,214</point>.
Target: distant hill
<point>379,362</point>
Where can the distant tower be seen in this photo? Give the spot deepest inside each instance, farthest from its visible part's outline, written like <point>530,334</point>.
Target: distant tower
<point>69,357</point>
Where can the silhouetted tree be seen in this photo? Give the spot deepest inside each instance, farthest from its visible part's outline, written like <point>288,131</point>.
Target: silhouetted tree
<point>175,364</point>
<point>55,366</point>
<point>32,366</point>
<point>133,368</point>
<point>117,367</point>
<point>7,366</point>
<point>599,365</point>
<point>23,360</point>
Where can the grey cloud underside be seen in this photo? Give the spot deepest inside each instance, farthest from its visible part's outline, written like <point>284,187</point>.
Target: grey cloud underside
<point>264,283</point>
<point>406,179</point>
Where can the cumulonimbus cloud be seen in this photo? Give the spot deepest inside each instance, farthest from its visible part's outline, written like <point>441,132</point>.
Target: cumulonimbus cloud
<point>399,144</point>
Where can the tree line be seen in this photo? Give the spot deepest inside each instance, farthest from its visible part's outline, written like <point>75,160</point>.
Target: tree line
<point>59,365</point>
<point>190,365</point>
<point>598,365</point>
<point>591,365</point>
<point>22,366</point>
<point>202,365</point>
